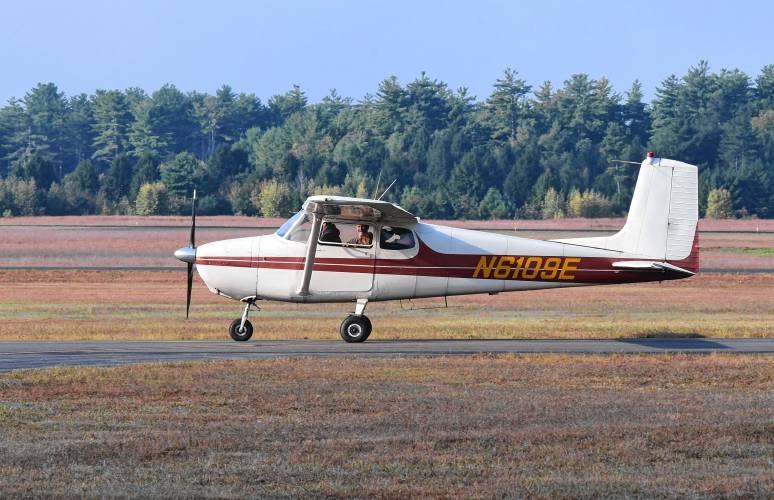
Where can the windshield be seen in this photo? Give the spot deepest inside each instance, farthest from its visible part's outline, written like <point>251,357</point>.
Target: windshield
<point>297,228</point>
<point>282,231</point>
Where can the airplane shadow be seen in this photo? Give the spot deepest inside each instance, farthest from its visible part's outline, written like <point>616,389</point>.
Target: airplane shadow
<point>675,343</point>
<point>681,342</point>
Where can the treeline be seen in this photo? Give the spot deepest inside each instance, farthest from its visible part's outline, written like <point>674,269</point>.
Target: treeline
<point>522,152</point>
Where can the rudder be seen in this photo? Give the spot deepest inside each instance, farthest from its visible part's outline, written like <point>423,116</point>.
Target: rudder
<point>662,219</point>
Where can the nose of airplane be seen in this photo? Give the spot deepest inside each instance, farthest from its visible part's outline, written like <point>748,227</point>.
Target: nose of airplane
<point>186,254</point>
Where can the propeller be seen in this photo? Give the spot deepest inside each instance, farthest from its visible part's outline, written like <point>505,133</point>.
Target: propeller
<point>188,255</point>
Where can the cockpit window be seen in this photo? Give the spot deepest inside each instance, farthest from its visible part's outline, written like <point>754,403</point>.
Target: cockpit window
<point>297,228</point>
<point>288,224</point>
<point>396,238</point>
<point>348,234</point>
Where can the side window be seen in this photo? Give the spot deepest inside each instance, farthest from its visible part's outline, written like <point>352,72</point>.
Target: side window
<point>346,234</point>
<point>396,238</point>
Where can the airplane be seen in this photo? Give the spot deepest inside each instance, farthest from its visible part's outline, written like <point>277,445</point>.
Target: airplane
<point>357,250</point>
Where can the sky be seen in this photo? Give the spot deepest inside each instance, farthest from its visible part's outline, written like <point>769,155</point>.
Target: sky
<point>265,47</point>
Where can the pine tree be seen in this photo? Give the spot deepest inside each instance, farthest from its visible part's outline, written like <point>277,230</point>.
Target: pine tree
<point>34,165</point>
<point>117,179</point>
<point>507,105</point>
<point>179,173</point>
<point>111,122</point>
<point>146,171</point>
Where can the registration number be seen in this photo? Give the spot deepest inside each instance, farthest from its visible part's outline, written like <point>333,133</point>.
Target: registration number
<point>527,268</point>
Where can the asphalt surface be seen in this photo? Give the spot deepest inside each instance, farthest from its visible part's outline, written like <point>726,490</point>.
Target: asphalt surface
<point>18,355</point>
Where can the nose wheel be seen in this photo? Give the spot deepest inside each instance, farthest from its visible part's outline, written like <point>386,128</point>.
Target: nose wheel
<point>356,327</point>
<point>241,329</point>
<point>240,332</point>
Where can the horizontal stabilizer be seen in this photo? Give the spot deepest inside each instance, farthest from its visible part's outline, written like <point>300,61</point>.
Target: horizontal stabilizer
<point>641,265</point>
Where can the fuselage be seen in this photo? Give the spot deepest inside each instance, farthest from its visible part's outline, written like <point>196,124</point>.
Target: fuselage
<point>433,261</point>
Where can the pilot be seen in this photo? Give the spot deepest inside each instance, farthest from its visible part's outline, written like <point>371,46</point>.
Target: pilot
<point>330,233</point>
<point>364,237</point>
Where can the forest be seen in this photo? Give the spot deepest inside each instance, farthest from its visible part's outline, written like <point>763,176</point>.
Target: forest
<point>524,151</point>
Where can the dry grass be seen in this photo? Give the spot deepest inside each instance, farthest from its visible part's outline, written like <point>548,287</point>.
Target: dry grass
<point>483,426</point>
<point>71,305</point>
<point>83,305</point>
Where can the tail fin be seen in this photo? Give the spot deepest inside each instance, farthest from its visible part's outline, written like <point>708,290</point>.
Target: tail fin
<point>662,219</point>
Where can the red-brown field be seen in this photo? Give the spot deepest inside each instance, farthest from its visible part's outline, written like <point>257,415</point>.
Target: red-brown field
<point>70,305</point>
<point>122,244</point>
<point>471,427</point>
<point>765,225</point>
<point>124,305</point>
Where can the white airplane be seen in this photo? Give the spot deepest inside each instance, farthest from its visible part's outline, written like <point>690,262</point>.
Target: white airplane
<point>339,249</point>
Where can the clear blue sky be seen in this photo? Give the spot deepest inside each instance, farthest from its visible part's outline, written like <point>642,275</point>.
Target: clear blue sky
<point>266,47</point>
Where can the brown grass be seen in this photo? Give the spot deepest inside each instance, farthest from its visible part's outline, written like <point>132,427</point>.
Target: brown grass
<point>547,426</point>
<point>82,305</point>
<point>70,305</point>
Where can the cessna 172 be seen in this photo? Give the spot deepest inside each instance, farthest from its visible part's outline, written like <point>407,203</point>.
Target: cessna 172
<point>392,255</point>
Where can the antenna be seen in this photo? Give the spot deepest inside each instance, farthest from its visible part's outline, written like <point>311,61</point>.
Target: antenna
<point>625,161</point>
<point>388,188</point>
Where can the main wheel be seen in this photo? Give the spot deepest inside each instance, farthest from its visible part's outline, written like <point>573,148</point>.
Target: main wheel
<point>355,328</point>
<point>243,334</point>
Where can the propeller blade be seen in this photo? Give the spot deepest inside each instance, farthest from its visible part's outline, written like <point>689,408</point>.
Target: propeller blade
<point>188,296</point>
<point>193,220</point>
<point>190,264</point>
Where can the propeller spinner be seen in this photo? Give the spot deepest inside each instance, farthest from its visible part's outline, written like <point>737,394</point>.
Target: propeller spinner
<point>188,254</point>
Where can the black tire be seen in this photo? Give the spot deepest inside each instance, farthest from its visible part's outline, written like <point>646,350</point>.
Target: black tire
<point>233,330</point>
<point>355,328</point>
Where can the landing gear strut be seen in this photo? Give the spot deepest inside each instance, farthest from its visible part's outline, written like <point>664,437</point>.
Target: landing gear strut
<point>356,327</point>
<point>241,329</point>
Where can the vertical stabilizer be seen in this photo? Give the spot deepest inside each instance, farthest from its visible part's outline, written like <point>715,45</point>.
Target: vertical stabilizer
<point>663,215</point>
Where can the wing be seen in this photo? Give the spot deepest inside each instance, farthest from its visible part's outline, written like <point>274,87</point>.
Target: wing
<point>358,209</point>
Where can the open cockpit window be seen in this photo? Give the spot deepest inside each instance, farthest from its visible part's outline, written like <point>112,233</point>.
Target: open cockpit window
<point>396,238</point>
<point>297,228</point>
<point>346,234</point>
<point>283,230</point>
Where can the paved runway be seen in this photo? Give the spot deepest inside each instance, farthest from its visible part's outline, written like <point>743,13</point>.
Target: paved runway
<point>17,355</point>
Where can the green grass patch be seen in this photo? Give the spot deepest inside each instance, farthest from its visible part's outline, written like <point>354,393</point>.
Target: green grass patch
<point>761,252</point>
<point>757,251</point>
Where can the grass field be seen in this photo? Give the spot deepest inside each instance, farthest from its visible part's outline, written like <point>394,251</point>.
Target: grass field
<point>72,305</point>
<point>83,305</point>
<point>546,426</point>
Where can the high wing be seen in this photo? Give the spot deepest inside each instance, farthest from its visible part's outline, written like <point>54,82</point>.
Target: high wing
<point>357,209</point>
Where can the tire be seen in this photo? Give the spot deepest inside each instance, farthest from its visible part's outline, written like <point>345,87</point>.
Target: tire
<point>355,329</point>
<point>233,330</point>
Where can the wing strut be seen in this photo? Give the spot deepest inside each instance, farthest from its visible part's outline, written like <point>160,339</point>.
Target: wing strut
<point>311,249</point>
